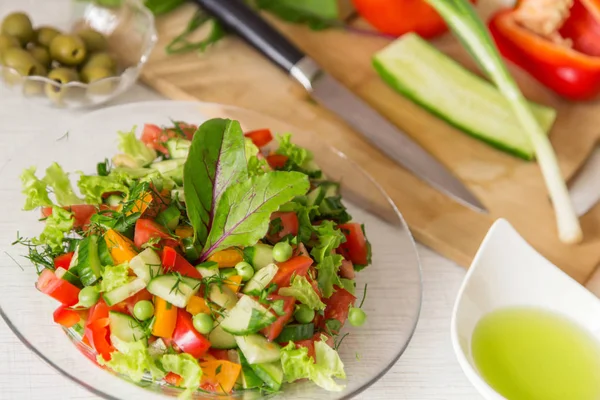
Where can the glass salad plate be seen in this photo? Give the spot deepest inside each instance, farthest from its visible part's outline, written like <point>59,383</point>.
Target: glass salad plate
<point>393,300</point>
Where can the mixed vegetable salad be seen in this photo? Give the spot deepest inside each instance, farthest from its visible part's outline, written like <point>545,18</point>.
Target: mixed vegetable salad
<point>203,257</point>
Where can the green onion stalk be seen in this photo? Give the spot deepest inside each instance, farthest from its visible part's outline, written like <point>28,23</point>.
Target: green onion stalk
<point>470,30</point>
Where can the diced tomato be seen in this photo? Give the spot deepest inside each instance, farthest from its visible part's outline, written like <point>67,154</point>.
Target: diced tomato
<point>294,266</point>
<point>64,260</point>
<point>81,214</point>
<point>65,316</point>
<point>273,330</point>
<point>287,224</point>
<point>146,230</point>
<point>337,306</point>
<point>301,250</point>
<point>347,270</point>
<point>97,331</point>
<point>260,137</point>
<point>175,262</point>
<point>219,354</point>
<point>356,246</point>
<point>57,288</point>
<point>277,161</point>
<point>187,338</point>
<point>156,137</point>
<point>173,379</point>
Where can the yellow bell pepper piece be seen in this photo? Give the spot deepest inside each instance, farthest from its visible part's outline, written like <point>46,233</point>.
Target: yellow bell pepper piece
<point>166,318</point>
<point>223,380</point>
<point>197,305</point>
<point>184,231</point>
<point>234,283</point>
<point>121,249</point>
<point>227,258</point>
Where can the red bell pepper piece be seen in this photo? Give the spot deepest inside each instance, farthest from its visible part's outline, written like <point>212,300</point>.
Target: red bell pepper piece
<point>175,262</point>
<point>273,330</point>
<point>260,137</point>
<point>356,248</point>
<point>337,306</point>
<point>97,330</point>
<point>187,338</point>
<point>64,260</point>
<point>173,379</point>
<point>298,265</point>
<point>57,288</point>
<point>276,161</point>
<point>65,316</point>
<point>571,72</point>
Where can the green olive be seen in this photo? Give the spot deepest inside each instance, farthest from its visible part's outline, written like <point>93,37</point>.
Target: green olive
<point>20,60</point>
<point>93,73</point>
<point>67,49</point>
<point>39,69</point>
<point>61,76</point>
<point>18,25</point>
<point>7,41</point>
<point>94,40</point>
<point>101,60</point>
<point>41,54</point>
<point>45,34</point>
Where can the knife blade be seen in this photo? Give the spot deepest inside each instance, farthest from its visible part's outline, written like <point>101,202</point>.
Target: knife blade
<point>327,91</point>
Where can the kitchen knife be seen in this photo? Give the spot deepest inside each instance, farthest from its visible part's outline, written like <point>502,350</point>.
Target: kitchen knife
<point>327,91</point>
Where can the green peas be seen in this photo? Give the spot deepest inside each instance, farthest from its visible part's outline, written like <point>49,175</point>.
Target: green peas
<point>356,316</point>
<point>304,314</point>
<point>282,251</point>
<point>88,296</point>
<point>244,270</point>
<point>203,323</point>
<point>143,310</point>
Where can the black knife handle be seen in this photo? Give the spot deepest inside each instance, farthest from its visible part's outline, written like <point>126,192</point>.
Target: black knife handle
<point>242,20</point>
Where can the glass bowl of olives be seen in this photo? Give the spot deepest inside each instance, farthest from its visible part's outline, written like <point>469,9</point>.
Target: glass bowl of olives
<point>74,53</point>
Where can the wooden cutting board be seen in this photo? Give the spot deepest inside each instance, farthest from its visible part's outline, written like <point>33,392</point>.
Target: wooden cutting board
<point>233,73</point>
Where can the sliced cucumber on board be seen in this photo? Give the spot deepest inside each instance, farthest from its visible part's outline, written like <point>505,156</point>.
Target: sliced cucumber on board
<point>426,76</point>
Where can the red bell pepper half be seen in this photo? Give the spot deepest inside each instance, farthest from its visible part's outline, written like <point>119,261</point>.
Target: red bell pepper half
<point>175,262</point>
<point>187,338</point>
<point>57,288</point>
<point>66,317</point>
<point>97,330</point>
<point>572,72</point>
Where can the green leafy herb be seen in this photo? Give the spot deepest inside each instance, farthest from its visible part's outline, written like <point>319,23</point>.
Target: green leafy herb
<point>103,168</point>
<point>318,14</point>
<point>468,27</point>
<point>94,186</point>
<point>57,225</point>
<point>328,274</point>
<point>275,226</point>
<point>160,7</point>
<point>34,190</point>
<point>181,43</point>
<point>186,367</point>
<point>41,256</point>
<point>294,153</point>
<point>114,276</point>
<point>329,238</point>
<point>215,162</point>
<point>59,181</point>
<point>135,153</point>
<point>277,306</point>
<point>243,214</point>
<point>302,290</point>
<point>133,361</point>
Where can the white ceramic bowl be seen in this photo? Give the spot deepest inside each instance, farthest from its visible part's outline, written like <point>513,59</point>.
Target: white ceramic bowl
<point>508,272</point>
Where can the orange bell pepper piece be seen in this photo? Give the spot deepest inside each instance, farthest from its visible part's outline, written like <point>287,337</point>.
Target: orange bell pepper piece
<point>227,258</point>
<point>234,283</point>
<point>197,305</point>
<point>166,318</point>
<point>121,249</point>
<point>220,375</point>
<point>184,231</point>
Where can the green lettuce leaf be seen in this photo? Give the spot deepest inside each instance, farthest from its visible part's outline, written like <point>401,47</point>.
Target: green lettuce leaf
<point>243,214</point>
<point>329,238</point>
<point>59,223</point>
<point>216,161</point>
<point>187,368</point>
<point>327,274</point>
<point>138,154</point>
<point>256,165</point>
<point>133,360</point>
<point>294,153</point>
<point>34,190</point>
<point>303,291</point>
<point>94,186</point>
<point>59,181</point>
<point>114,277</point>
<point>297,365</point>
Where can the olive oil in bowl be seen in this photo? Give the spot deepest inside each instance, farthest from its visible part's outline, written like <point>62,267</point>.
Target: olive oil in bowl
<point>527,353</point>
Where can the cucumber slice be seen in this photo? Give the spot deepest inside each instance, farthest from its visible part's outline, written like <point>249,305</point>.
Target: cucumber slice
<point>261,278</point>
<point>167,166</point>
<point>219,339</point>
<point>223,296</point>
<point>249,379</point>
<point>157,348</point>
<point>125,327</point>
<point>248,316</point>
<point>295,332</point>
<point>174,289</point>
<point>227,272</point>
<point>169,217</point>
<point>270,373</point>
<point>146,265</point>
<point>257,349</point>
<point>124,292</point>
<point>315,196</point>
<point>86,261</point>
<point>259,255</point>
<point>178,147</point>
<point>178,195</point>
<point>429,78</point>
<point>67,276</point>
<point>208,269</point>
